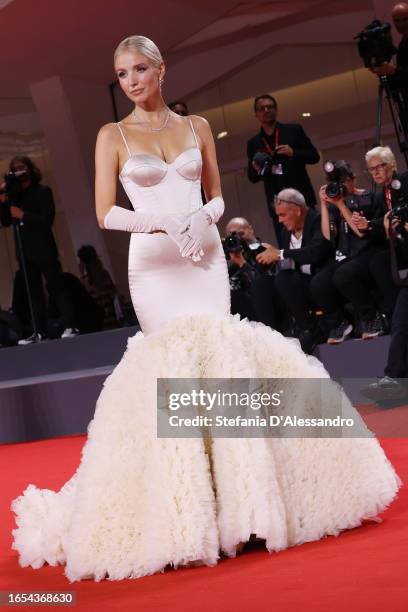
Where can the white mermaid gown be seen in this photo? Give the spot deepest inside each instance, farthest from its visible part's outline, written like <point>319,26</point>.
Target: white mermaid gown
<point>138,503</point>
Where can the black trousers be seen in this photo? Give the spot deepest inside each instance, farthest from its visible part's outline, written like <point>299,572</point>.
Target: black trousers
<point>293,288</point>
<point>357,279</point>
<point>397,363</point>
<point>270,298</point>
<point>50,269</point>
<point>265,301</point>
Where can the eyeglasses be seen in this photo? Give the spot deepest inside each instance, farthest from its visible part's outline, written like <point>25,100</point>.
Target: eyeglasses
<point>374,169</point>
<point>264,109</point>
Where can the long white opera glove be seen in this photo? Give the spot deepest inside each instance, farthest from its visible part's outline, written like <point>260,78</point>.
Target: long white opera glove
<point>119,218</point>
<point>215,208</point>
<point>197,226</point>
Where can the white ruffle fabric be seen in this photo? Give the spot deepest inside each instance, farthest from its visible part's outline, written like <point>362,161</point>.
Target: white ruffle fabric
<point>138,503</point>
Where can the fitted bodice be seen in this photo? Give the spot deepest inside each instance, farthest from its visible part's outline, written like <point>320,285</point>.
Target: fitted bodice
<point>153,184</point>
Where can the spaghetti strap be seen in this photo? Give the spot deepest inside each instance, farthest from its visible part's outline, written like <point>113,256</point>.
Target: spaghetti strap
<point>124,139</point>
<point>193,130</point>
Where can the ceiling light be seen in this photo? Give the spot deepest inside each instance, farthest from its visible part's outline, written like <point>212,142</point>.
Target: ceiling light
<point>222,135</point>
<point>306,114</point>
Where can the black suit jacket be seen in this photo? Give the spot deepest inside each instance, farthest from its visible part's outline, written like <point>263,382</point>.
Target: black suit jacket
<point>315,250</point>
<point>380,204</point>
<point>294,168</point>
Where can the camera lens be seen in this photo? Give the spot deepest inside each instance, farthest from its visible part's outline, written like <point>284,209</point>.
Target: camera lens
<point>333,189</point>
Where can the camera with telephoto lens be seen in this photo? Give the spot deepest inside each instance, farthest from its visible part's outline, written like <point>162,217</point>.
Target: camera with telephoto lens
<point>234,243</point>
<point>337,172</point>
<point>375,44</point>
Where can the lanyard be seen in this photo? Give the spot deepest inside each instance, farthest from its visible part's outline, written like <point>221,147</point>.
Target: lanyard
<point>268,146</point>
<point>388,198</point>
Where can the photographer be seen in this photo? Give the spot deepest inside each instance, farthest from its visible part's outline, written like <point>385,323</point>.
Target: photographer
<point>30,205</point>
<point>398,73</point>
<point>258,279</point>
<point>393,189</point>
<point>353,274</point>
<point>394,385</point>
<point>278,155</point>
<point>241,271</point>
<point>304,252</point>
<point>382,166</point>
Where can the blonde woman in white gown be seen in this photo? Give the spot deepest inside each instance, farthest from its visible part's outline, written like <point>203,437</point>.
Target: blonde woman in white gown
<point>139,503</point>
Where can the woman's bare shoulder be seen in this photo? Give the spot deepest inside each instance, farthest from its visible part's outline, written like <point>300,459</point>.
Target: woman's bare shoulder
<point>108,132</point>
<point>201,126</point>
<point>199,122</point>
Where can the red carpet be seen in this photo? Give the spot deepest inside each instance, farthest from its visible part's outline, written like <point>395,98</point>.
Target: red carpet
<point>365,569</point>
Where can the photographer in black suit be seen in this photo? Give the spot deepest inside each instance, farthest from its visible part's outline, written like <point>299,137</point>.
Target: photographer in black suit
<point>31,206</point>
<point>397,73</point>
<point>358,273</point>
<point>253,292</point>
<point>278,155</point>
<point>391,187</point>
<point>304,252</point>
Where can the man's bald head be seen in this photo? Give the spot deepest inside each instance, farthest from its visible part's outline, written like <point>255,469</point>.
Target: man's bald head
<point>242,226</point>
<point>400,17</point>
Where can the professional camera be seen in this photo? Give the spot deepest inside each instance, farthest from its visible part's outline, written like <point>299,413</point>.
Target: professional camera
<point>234,243</point>
<point>336,173</point>
<point>401,213</point>
<point>375,44</point>
<point>12,189</point>
<point>399,237</point>
<point>265,161</point>
<point>13,185</point>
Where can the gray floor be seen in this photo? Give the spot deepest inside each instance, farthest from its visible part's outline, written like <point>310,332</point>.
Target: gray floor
<point>50,389</point>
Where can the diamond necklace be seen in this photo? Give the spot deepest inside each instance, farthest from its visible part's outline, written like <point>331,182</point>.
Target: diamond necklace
<point>159,129</point>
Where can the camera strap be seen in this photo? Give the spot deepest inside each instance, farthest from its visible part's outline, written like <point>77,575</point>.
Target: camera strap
<point>268,146</point>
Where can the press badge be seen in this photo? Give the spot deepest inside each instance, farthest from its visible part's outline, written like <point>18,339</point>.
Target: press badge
<point>277,169</point>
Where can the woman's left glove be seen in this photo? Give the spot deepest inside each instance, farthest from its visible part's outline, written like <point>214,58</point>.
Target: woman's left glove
<point>197,226</point>
<point>195,231</point>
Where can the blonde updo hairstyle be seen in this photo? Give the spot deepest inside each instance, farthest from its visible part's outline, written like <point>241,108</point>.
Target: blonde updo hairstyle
<point>142,45</point>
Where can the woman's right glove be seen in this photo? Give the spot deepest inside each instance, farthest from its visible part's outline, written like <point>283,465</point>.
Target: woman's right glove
<point>119,218</point>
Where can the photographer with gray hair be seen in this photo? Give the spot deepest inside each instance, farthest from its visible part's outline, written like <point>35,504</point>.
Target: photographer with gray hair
<point>391,188</point>
<point>304,252</point>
